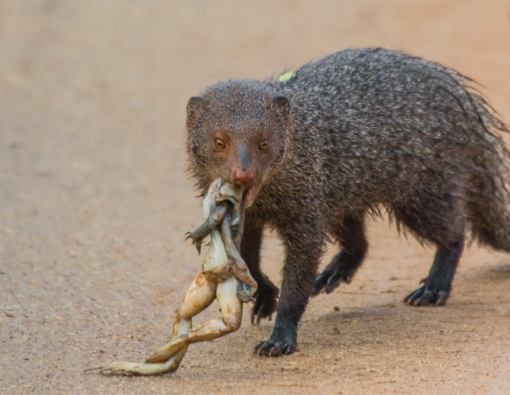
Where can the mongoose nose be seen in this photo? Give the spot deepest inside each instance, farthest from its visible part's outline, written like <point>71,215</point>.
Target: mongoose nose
<point>243,178</point>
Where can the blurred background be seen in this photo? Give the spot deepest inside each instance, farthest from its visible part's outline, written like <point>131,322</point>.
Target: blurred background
<point>95,201</point>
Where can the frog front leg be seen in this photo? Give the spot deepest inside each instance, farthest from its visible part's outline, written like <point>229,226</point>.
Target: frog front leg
<point>211,223</point>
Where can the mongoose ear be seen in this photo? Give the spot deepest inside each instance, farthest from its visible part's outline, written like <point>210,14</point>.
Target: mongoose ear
<point>282,106</point>
<point>195,105</point>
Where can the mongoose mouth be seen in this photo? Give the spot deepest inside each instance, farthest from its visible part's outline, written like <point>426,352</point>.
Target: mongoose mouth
<point>250,194</point>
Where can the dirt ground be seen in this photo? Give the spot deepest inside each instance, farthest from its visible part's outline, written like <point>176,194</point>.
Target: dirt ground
<point>94,201</point>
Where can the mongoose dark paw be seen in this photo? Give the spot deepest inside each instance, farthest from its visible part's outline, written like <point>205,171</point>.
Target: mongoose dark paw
<point>329,280</point>
<point>266,301</point>
<point>271,348</point>
<point>426,296</point>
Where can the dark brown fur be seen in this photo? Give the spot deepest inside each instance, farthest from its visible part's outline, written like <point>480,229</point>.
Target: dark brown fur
<point>352,132</point>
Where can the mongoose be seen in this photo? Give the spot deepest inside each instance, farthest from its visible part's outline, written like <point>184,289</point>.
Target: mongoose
<point>330,144</point>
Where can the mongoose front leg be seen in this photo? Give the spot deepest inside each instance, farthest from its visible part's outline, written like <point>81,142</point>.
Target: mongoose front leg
<point>343,266</point>
<point>266,297</point>
<point>303,252</point>
<point>437,286</point>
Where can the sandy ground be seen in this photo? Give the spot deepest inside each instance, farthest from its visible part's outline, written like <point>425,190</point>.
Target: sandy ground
<point>94,201</point>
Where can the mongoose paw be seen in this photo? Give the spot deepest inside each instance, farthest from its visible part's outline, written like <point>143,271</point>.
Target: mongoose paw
<point>329,280</point>
<point>266,301</point>
<point>426,296</point>
<point>271,348</point>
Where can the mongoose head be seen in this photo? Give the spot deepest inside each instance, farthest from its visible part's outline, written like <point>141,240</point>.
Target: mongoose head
<point>239,131</point>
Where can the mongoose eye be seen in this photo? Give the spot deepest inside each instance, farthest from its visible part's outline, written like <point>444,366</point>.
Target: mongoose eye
<point>263,145</point>
<point>219,144</point>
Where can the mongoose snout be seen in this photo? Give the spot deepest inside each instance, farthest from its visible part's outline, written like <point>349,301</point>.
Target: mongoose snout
<point>242,178</point>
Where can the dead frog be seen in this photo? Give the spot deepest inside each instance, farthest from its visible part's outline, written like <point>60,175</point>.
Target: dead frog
<point>224,277</point>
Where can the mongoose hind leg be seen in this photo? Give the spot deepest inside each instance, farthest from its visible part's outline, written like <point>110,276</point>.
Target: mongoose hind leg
<point>437,286</point>
<point>266,296</point>
<point>343,266</point>
<point>441,222</point>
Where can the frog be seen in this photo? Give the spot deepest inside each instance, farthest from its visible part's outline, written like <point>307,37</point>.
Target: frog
<point>224,276</point>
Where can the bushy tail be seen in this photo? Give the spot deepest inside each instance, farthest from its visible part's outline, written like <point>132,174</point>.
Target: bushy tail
<point>490,204</point>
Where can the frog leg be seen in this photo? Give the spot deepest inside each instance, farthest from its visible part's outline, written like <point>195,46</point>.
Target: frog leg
<point>231,315</point>
<point>231,312</point>
<point>200,295</point>
<point>211,223</point>
<point>167,359</point>
<point>240,268</point>
<point>142,369</point>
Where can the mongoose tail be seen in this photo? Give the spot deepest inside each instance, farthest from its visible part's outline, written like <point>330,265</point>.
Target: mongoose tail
<point>490,206</point>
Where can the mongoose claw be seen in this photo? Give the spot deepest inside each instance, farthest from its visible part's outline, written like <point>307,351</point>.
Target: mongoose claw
<point>266,301</point>
<point>329,280</point>
<point>275,348</point>
<point>426,296</point>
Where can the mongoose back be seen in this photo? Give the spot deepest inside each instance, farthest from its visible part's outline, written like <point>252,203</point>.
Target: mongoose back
<point>330,144</point>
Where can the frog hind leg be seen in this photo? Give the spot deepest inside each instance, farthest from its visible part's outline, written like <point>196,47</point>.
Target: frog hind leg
<point>239,267</point>
<point>231,310</point>
<point>200,295</point>
<point>143,369</point>
<point>167,359</point>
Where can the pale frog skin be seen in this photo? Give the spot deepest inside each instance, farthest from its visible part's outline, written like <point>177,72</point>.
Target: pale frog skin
<point>224,277</point>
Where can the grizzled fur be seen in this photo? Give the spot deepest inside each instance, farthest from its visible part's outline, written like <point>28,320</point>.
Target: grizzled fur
<point>350,133</point>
